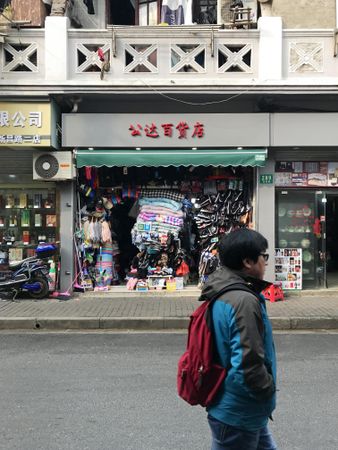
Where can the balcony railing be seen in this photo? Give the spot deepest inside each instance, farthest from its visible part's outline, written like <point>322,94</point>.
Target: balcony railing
<point>167,56</point>
<point>22,57</point>
<point>148,55</point>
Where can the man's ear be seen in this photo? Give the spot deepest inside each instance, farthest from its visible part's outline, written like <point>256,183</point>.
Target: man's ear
<point>247,263</point>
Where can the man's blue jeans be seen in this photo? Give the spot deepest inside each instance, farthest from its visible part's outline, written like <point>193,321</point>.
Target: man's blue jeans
<point>226,437</point>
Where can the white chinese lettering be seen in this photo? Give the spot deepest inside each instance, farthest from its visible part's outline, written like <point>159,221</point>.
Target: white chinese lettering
<point>36,139</point>
<point>18,139</point>
<point>3,139</point>
<point>18,119</point>
<point>10,139</point>
<point>35,119</point>
<point>4,119</point>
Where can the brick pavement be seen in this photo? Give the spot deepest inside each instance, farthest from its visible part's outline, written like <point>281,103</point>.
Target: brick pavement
<point>158,307</point>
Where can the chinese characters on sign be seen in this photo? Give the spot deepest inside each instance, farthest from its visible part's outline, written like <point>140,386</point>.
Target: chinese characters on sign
<point>19,120</point>
<point>266,178</point>
<point>20,139</point>
<point>181,130</point>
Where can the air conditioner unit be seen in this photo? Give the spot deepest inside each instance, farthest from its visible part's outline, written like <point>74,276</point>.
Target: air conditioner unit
<point>53,166</point>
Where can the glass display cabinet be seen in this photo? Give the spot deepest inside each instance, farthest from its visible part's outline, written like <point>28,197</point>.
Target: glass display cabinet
<point>28,216</point>
<point>298,226</point>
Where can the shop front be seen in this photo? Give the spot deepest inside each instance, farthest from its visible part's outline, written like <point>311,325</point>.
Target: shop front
<point>30,204</point>
<point>306,196</point>
<point>307,222</point>
<point>151,216</point>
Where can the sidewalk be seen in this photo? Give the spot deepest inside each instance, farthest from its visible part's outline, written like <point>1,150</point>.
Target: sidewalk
<point>155,311</point>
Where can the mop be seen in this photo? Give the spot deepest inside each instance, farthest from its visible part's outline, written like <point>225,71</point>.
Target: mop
<point>61,295</point>
<point>79,271</point>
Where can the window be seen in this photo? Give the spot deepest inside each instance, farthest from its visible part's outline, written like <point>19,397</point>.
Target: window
<point>147,12</point>
<point>205,11</point>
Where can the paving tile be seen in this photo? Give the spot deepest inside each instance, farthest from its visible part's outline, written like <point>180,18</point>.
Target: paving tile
<point>156,306</point>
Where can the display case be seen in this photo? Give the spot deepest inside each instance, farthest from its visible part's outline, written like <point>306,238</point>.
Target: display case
<point>28,217</point>
<point>296,216</point>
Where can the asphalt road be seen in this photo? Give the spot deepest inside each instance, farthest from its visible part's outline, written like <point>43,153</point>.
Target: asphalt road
<point>117,391</point>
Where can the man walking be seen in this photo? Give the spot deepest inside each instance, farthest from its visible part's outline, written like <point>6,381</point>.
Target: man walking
<point>244,343</point>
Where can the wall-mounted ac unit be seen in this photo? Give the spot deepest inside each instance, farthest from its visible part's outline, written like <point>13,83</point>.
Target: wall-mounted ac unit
<point>53,166</point>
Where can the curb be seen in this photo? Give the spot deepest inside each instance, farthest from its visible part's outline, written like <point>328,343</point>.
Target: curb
<point>149,323</point>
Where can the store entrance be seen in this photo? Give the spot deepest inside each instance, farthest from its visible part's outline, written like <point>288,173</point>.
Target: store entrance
<point>330,238</point>
<point>307,221</point>
<point>157,227</point>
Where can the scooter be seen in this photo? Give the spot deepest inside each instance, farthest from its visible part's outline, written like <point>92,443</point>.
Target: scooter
<point>30,275</point>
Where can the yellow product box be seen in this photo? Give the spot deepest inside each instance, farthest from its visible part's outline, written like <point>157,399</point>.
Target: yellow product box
<point>171,285</point>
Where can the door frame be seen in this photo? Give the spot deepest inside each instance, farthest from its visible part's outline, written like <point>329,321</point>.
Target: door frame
<point>326,193</point>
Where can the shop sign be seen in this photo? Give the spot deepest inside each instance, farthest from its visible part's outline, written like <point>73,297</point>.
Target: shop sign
<point>181,129</point>
<point>25,124</point>
<point>306,174</point>
<point>266,178</point>
<point>173,130</point>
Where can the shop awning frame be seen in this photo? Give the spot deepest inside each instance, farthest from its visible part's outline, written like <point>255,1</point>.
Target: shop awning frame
<point>171,157</point>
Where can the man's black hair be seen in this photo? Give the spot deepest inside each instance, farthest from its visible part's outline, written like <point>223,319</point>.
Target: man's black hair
<point>240,244</point>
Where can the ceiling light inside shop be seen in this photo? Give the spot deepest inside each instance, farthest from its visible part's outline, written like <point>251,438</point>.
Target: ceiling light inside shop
<point>11,175</point>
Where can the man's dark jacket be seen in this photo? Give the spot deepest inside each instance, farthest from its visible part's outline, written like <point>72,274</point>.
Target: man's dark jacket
<point>244,344</point>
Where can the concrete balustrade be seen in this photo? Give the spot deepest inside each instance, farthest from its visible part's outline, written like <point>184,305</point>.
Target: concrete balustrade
<point>198,55</point>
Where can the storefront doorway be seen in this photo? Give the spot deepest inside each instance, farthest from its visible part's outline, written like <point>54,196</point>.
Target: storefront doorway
<point>157,224</point>
<point>329,237</point>
<point>307,220</point>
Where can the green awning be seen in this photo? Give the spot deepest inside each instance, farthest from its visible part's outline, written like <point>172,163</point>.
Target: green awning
<point>171,157</point>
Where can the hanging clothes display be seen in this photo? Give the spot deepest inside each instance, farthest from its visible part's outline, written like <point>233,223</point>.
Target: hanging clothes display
<point>176,12</point>
<point>218,214</point>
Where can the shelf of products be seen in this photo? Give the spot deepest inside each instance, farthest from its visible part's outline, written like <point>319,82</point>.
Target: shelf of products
<point>27,217</point>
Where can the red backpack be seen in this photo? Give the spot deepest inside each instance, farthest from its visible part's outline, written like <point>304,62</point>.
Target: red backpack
<point>198,377</point>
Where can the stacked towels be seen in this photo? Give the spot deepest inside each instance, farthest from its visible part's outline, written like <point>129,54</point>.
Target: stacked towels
<point>157,221</point>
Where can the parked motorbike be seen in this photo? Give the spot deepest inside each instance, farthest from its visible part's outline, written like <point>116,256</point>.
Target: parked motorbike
<point>30,275</point>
